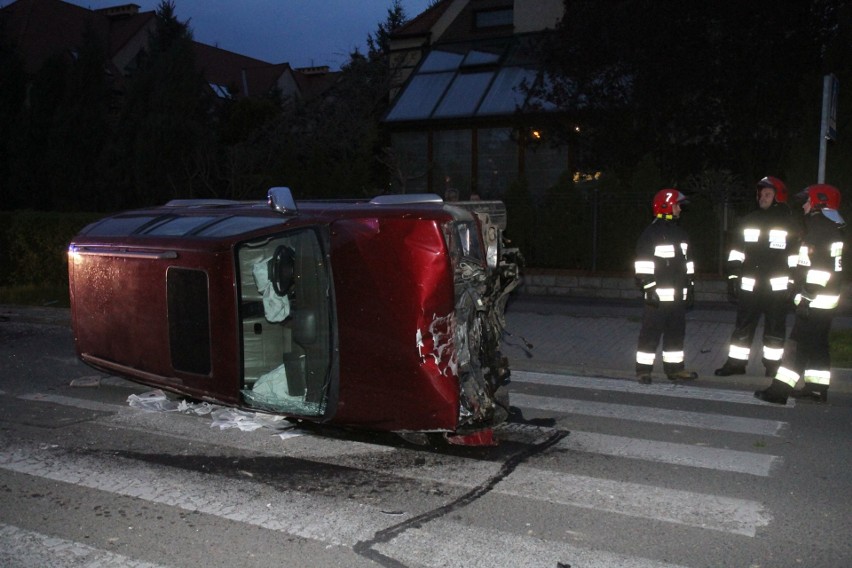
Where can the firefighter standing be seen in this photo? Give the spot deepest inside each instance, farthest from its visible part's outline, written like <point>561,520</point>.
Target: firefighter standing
<point>665,275</point>
<point>760,263</point>
<point>820,263</point>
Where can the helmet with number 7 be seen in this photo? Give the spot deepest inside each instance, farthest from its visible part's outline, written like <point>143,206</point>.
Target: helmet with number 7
<point>664,202</point>
<point>821,195</point>
<point>779,186</point>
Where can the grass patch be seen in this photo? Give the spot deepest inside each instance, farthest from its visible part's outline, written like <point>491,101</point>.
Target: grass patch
<point>841,348</point>
<point>52,296</point>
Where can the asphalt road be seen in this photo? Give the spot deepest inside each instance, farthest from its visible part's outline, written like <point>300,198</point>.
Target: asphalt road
<point>592,471</point>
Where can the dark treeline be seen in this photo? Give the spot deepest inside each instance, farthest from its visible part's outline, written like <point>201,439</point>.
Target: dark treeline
<point>77,138</point>
<point>681,89</point>
<point>708,97</point>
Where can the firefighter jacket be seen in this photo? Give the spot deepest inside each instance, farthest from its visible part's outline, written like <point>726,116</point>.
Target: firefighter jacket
<point>821,260</point>
<point>662,261</point>
<point>764,251</point>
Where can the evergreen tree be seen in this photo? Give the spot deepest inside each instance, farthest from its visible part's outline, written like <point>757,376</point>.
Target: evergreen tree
<point>165,137</point>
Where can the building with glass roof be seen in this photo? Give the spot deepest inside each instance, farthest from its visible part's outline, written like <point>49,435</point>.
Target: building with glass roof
<point>461,122</point>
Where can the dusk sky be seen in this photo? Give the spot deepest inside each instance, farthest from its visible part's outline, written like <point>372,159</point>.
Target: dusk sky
<point>299,32</point>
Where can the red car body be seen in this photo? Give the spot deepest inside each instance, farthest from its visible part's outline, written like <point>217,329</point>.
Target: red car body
<point>384,314</point>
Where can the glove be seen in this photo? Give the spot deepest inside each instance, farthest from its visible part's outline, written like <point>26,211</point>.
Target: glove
<point>652,299</point>
<point>792,290</point>
<point>803,309</point>
<point>733,290</point>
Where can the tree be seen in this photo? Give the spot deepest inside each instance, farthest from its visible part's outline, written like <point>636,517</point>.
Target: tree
<point>166,135</point>
<point>716,82</point>
<point>331,145</point>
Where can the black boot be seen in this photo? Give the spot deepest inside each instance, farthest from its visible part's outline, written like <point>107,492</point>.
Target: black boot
<point>777,392</point>
<point>682,375</point>
<point>812,392</point>
<point>729,369</point>
<point>644,378</point>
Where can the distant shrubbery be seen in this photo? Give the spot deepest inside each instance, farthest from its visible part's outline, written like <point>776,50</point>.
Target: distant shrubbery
<point>33,247</point>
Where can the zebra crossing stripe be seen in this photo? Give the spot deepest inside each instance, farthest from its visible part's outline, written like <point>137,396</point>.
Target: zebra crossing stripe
<point>672,453</point>
<point>30,549</point>
<point>668,389</point>
<point>688,455</point>
<point>715,512</point>
<point>308,516</point>
<point>454,544</point>
<point>706,421</point>
<point>71,401</point>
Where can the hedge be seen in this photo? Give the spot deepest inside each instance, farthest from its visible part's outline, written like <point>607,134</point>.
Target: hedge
<point>33,246</point>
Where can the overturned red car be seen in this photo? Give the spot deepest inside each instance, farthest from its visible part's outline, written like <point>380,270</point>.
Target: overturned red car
<point>383,314</point>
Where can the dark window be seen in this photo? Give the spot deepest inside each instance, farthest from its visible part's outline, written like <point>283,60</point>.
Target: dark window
<point>118,226</point>
<point>494,18</point>
<point>189,320</point>
<point>236,225</point>
<point>176,226</point>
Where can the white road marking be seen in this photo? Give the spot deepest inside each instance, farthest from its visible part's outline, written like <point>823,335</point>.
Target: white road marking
<point>707,511</point>
<point>667,452</point>
<point>28,549</point>
<point>707,421</point>
<point>71,401</point>
<point>715,512</point>
<point>452,544</point>
<point>662,388</point>
<point>308,516</point>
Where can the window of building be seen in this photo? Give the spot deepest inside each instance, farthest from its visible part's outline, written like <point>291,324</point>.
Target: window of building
<point>464,95</point>
<point>543,164</point>
<point>497,161</point>
<point>410,157</point>
<point>501,17</point>
<point>421,96</point>
<point>451,165</point>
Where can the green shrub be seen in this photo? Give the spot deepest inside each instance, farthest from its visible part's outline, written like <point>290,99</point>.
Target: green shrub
<point>33,247</point>
<point>841,348</point>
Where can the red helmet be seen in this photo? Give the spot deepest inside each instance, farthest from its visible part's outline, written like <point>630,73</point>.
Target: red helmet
<point>779,186</point>
<point>664,201</point>
<point>822,195</point>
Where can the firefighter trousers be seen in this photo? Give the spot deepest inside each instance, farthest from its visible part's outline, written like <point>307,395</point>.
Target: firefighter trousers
<point>668,321</point>
<point>773,307</point>
<point>807,353</point>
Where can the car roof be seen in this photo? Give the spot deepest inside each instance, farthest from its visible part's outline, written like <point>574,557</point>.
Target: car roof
<point>226,219</point>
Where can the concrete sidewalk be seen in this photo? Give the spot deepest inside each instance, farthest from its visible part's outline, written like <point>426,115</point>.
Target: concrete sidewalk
<point>598,338</point>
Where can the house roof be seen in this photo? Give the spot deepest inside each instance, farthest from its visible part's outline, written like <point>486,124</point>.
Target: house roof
<point>314,80</point>
<point>241,75</point>
<point>41,29</point>
<point>422,24</point>
<point>467,73</point>
<point>125,28</point>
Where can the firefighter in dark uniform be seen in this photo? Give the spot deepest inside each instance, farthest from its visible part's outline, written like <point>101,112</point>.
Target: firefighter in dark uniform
<point>665,274</point>
<point>820,264</point>
<point>760,264</point>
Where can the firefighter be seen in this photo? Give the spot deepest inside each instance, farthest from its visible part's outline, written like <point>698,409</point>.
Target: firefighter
<point>760,263</point>
<point>665,275</point>
<point>819,284</point>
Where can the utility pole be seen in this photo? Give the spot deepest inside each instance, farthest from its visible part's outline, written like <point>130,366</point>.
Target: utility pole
<point>828,123</point>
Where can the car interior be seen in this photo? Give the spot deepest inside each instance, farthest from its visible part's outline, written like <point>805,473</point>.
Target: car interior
<point>286,330</point>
